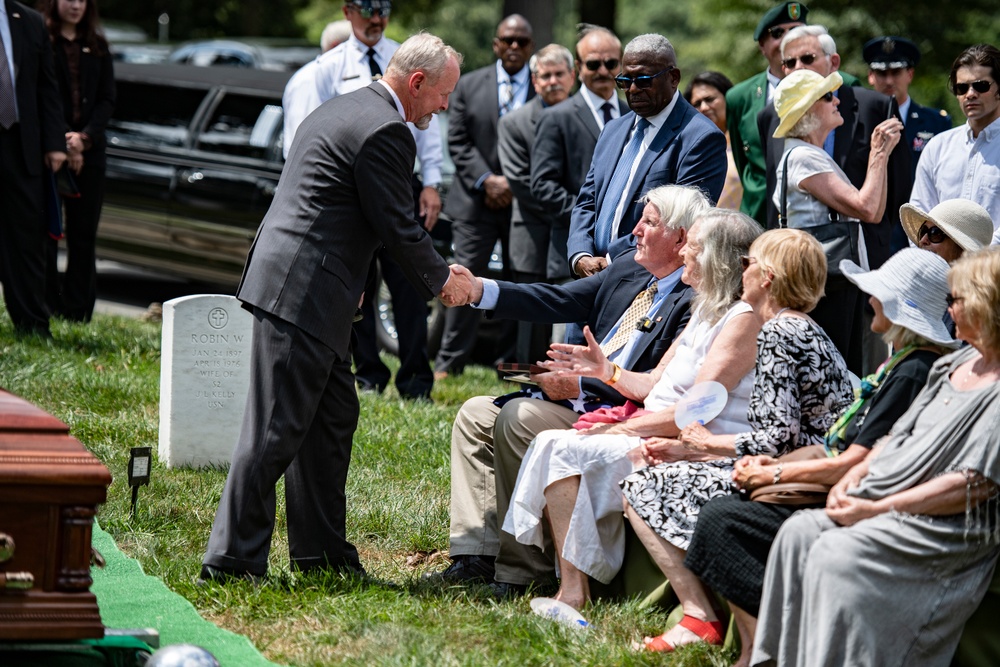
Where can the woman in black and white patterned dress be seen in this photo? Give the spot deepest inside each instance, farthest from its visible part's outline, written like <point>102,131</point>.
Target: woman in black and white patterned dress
<point>801,385</point>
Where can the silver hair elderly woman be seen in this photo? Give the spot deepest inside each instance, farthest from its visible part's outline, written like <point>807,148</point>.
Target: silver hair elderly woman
<point>572,476</point>
<point>889,572</point>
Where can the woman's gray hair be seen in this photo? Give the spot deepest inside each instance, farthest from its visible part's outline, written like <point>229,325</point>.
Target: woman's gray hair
<point>808,123</point>
<point>553,54</point>
<point>725,237</point>
<point>899,337</point>
<point>424,53</point>
<point>678,206</point>
<point>653,44</point>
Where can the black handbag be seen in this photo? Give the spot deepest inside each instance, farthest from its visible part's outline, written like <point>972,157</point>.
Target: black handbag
<point>838,237</point>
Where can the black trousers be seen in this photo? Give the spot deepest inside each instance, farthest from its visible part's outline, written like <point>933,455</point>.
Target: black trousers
<point>22,238</point>
<point>73,294</point>
<point>414,379</point>
<point>300,418</point>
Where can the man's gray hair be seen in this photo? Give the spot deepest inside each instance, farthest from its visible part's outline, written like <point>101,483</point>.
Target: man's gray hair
<point>677,205</point>
<point>553,54</point>
<point>334,33</point>
<point>651,44</point>
<point>825,41</point>
<point>425,53</point>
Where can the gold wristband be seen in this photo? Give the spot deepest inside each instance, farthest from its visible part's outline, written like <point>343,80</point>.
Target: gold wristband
<point>616,374</point>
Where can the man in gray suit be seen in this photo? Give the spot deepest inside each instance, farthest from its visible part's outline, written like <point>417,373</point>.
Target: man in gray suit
<point>345,190</point>
<point>533,258</point>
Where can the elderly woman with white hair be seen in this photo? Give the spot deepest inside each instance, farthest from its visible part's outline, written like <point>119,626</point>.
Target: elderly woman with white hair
<point>571,477</point>
<point>814,194</point>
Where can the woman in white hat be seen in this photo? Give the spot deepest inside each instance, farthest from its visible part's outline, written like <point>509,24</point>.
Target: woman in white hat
<point>734,534</point>
<point>952,227</point>
<point>821,200</point>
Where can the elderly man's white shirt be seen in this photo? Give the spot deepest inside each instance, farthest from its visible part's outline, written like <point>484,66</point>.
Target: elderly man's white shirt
<point>955,165</point>
<point>345,69</point>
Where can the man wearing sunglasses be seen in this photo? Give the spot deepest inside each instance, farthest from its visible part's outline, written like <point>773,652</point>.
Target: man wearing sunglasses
<point>965,161</point>
<point>746,99</point>
<point>567,135</point>
<point>663,141</point>
<point>479,201</point>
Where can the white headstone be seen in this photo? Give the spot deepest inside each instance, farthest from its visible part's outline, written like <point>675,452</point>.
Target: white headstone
<point>204,378</point>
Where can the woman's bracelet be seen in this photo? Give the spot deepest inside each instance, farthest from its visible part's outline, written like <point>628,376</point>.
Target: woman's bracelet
<point>616,374</point>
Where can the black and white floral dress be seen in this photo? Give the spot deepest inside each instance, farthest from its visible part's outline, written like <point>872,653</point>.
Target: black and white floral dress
<point>801,385</point>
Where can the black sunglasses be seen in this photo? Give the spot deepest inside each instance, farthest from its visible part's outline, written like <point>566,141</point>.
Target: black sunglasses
<point>980,87</point>
<point>777,31</point>
<point>368,12</point>
<point>611,64</point>
<point>951,299</point>
<point>746,261</point>
<point>806,58</point>
<point>934,234</point>
<point>641,82</point>
<point>827,97</point>
<point>511,41</point>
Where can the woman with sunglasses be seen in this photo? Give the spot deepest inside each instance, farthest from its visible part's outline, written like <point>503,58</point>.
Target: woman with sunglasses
<point>814,194</point>
<point>951,228</point>
<point>901,556</point>
<point>87,85</point>
<point>707,94</point>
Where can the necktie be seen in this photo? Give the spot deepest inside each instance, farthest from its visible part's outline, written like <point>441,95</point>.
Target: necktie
<point>506,95</point>
<point>8,110</point>
<point>615,191</point>
<point>635,313</point>
<point>606,108</point>
<point>373,65</point>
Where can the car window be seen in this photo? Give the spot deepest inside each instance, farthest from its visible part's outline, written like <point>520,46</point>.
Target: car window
<point>244,125</point>
<point>149,115</point>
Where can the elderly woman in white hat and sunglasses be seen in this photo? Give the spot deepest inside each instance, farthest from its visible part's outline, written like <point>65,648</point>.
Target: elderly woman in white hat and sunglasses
<point>951,228</point>
<point>814,194</point>
<point>734,534</point>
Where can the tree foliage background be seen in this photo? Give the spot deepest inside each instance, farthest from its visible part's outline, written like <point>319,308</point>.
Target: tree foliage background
<point>707,34</point>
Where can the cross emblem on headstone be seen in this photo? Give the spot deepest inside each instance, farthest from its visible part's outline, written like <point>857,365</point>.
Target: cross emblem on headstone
<point>218,318</point>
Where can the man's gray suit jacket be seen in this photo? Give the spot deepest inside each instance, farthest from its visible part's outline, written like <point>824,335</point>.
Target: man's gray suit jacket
<point>345,190</point>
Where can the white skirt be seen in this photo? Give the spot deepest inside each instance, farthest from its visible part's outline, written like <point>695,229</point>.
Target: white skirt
<point>595,542</point>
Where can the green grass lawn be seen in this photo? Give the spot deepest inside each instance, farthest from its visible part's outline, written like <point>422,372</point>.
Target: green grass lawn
<point>103,380</point>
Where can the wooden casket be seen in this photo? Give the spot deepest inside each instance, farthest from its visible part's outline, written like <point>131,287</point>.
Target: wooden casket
<point>50,487</point>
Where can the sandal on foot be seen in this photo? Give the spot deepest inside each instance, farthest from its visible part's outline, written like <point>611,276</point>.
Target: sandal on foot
<point>709,631</point>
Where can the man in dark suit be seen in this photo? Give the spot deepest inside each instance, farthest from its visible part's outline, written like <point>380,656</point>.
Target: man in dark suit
<point>566,136</point>
<point>32,139</point>
<point>479,201</point>
<point>862,110</point>
<point>890,71</point>
<point>490,436</point>
<point>345,190</point>
<point>532,257</point>
<point>664,141</point>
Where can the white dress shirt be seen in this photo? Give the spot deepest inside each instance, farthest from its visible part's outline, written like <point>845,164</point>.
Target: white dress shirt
<point>595,102</point>
<point>955,165</point>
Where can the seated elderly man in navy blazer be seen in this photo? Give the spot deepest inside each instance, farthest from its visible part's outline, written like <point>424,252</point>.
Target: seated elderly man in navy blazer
<point>665,141</point>
<point>491,435</point>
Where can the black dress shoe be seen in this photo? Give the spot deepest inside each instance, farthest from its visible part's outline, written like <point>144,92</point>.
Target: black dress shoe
<point>466,570</point>
<point>501,590</point>
<point>225,575</point>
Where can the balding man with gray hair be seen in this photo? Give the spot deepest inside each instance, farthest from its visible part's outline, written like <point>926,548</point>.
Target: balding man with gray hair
<point>664,140</point>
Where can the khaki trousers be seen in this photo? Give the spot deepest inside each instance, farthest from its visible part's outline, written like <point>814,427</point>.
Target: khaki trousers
<point>487,446</point>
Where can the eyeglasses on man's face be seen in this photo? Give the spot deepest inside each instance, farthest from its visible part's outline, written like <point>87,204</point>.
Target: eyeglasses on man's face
<point>806,58</point>
<point>641,82</point>
<point>982,86</point>
<point>777,32</point>
<point>511,41</point>
<point>368,12</point>
<point>611,64</point>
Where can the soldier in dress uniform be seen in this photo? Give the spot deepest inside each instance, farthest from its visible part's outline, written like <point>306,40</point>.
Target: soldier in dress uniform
<point>890,71</point>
